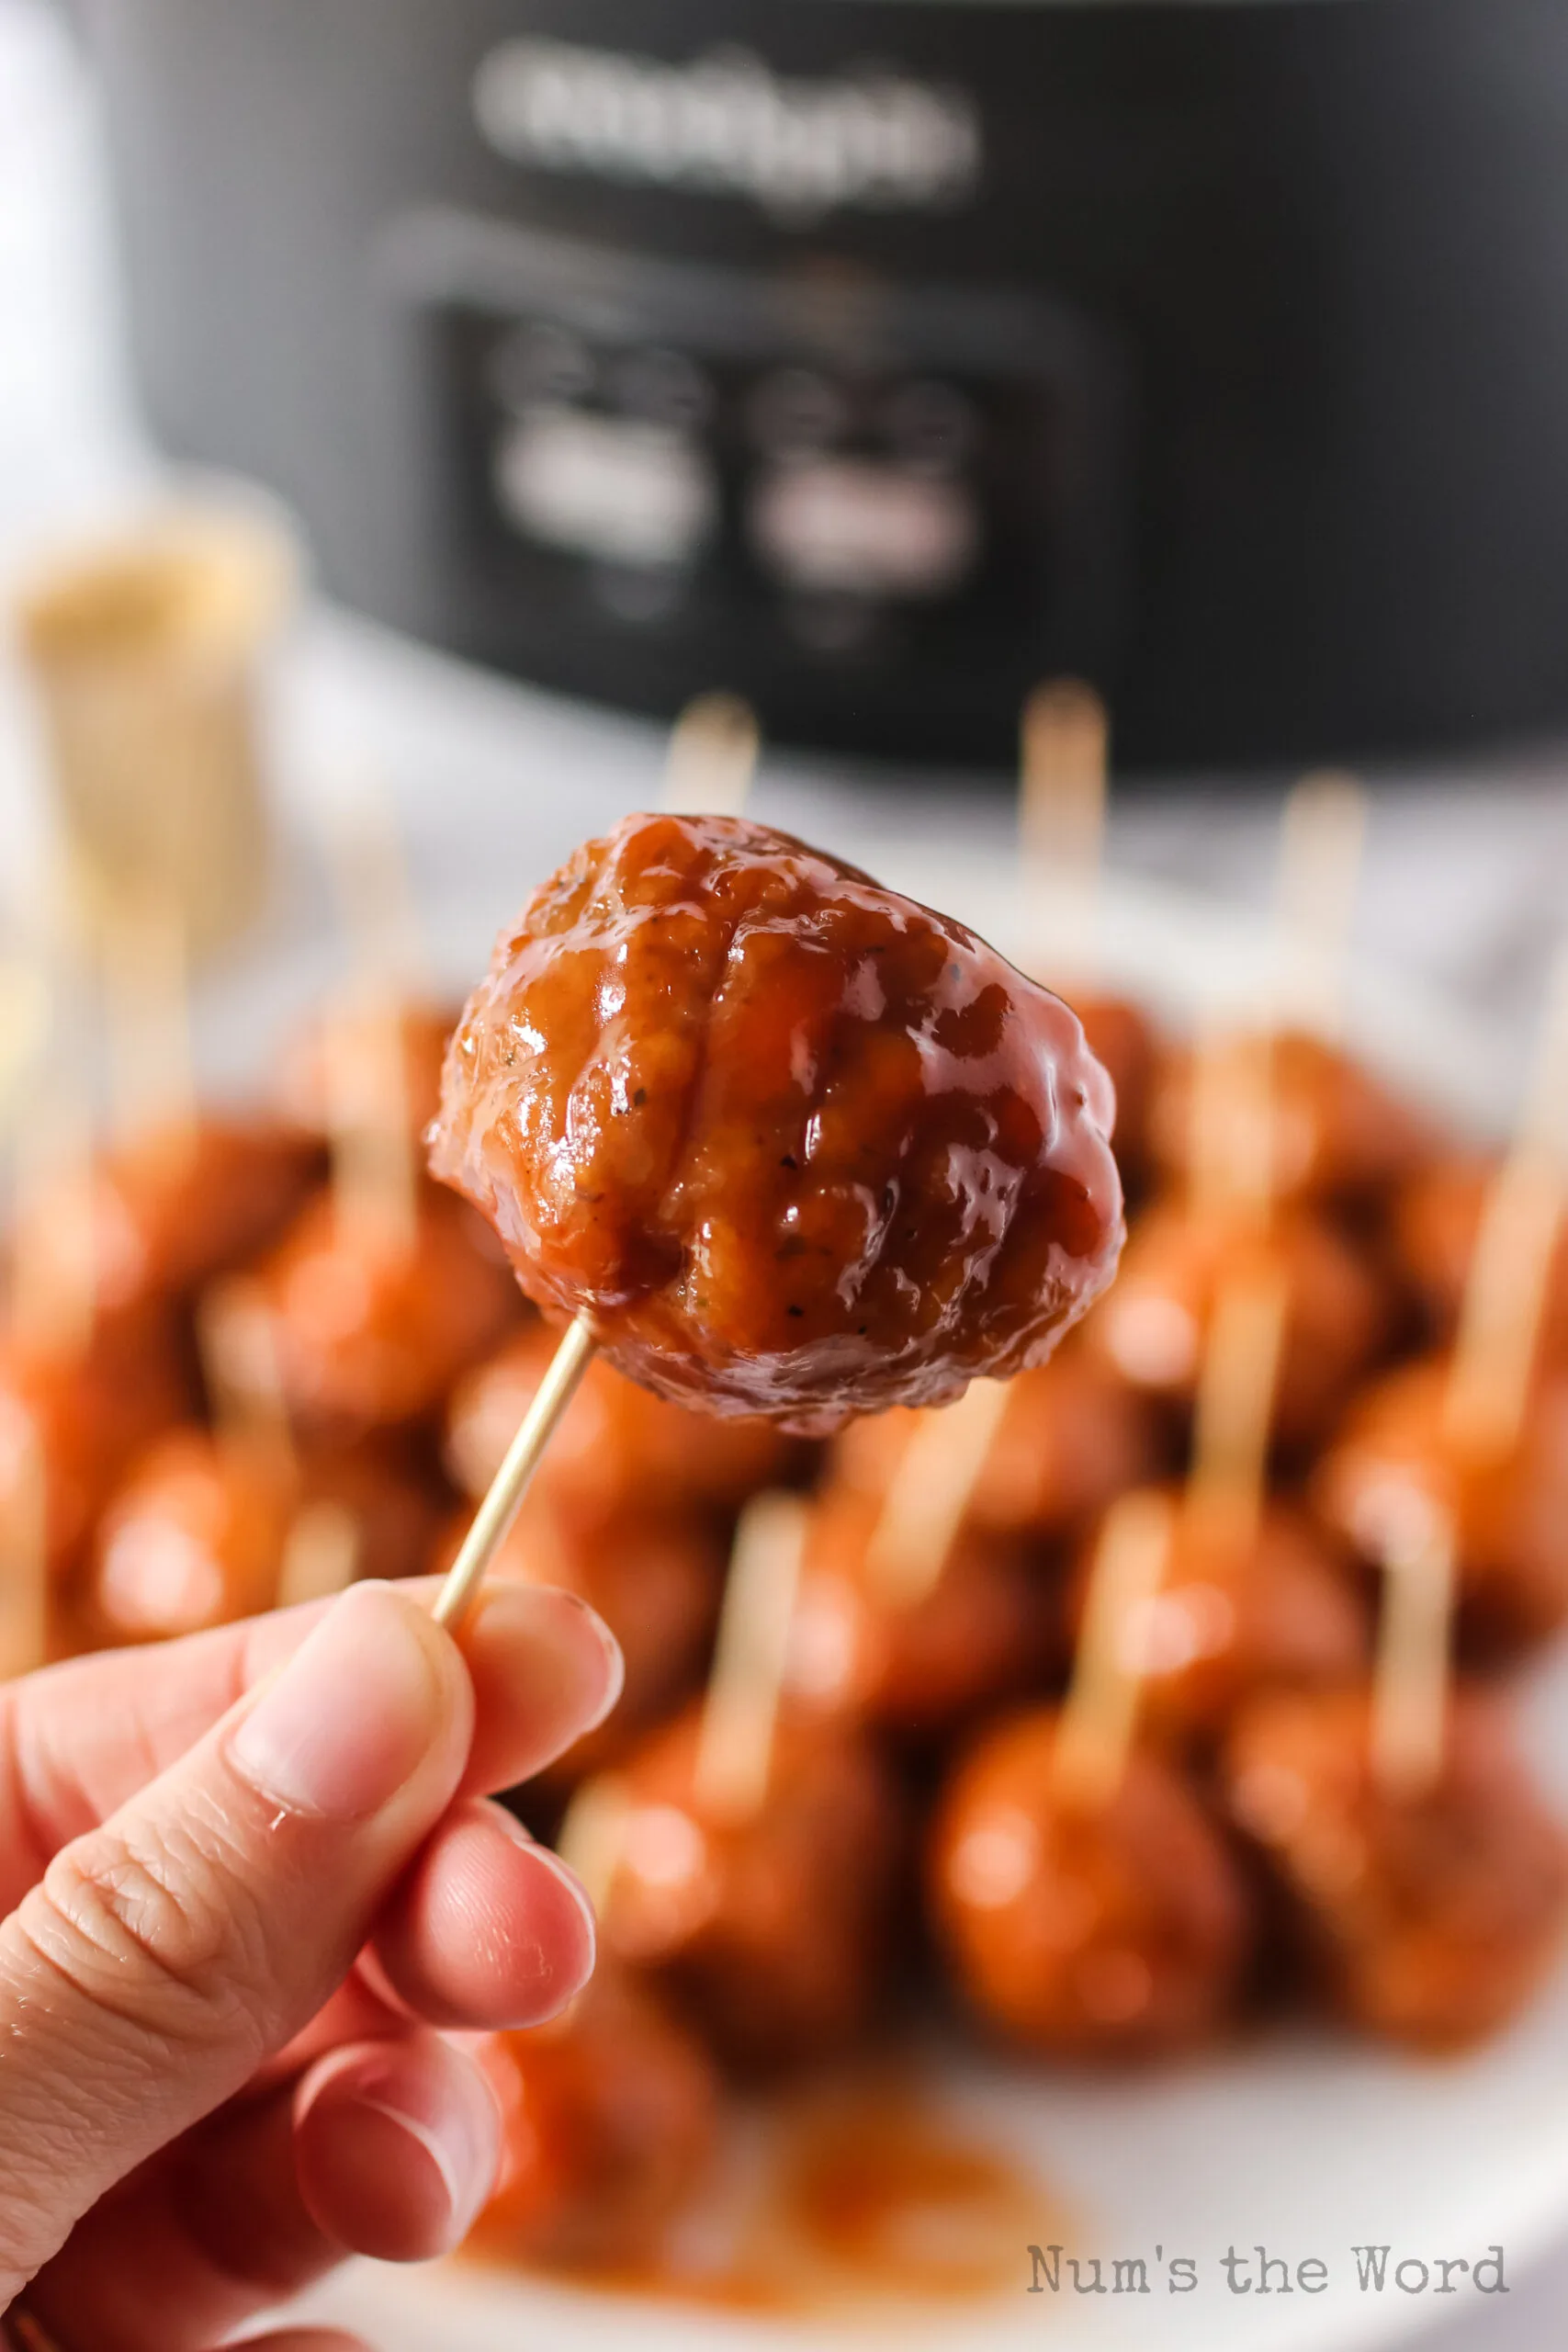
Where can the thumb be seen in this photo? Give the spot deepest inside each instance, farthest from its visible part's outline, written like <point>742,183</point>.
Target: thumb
<point>165,1954</point>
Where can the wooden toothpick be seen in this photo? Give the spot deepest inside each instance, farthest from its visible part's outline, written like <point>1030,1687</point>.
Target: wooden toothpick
<point>1062,796</point>
<point>739,1716</point>
<point>1231,1143</point>
<point>24,1559</point>
<point>375,1166</point>
<point>1410,1689</point>
<point>932,1488</point>
<point>1100,1711</point>
<point>321,1553</point>
<point>1237,1390</point>
<point>592,1834</point>
<point>1505,1293</point>
<point>1322,843</point>
<point>712,758</point>
<point>492,1520</point>
<point>241,1372</point>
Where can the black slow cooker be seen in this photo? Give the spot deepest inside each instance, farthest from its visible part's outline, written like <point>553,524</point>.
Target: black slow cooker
<point>875,358</point>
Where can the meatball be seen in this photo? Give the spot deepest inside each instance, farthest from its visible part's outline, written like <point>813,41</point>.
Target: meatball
<point>82,1413</point>
<point>654,1578</point>
<point>772,1925</point>
<point>370,1334</point>
<point>195,1537</point>
<point>1337,1134</point>
<point>984,1630</point>
<point>1083,1929</point>
<point>1435,1224</point>
<point>1073,1436</point>
<point>1153,1326</point>
<point>1432,1915</point>
<point>179,1206</point>
<point>1122,1038</point>
<point>303,1084</point>
<point>1275,1603</point>
<point>610,2119</point>
<point>1508,1509</point>
<point>390,1493</point>
<point>792,1144</point>
<point>616,1447</point>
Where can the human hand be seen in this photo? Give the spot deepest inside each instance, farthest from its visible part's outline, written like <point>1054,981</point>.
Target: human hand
<point>250,1887</point>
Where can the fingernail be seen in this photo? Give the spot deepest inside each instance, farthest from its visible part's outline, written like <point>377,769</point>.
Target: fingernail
<point>459,2135</point>
<point>542,1658</point>
<point>349,1718</point>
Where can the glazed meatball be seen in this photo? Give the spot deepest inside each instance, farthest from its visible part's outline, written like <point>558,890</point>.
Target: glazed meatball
<point>610,2117</point>
<point>1153,1326</point>
<point>792,1144</point>
<point>984,1630</point>
<point>369,1334</point>
<point>178,1206</point>
<point>616,1449</point>
<point>1275,1603</point>
<point>82,1413</point>
<point>1079,1929</point>
<point>1338,1134</point>
<point>303,1084</point>
<point>770,1926</point>
<point>195,1537</point>
<point>1509,1511</point>
<point>1433,1915</point>
<point>1073,1436</point>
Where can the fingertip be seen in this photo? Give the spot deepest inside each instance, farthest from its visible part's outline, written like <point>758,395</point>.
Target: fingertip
<point>396,2146</point>
<point>546,1669</point>
<point>488,1931</point>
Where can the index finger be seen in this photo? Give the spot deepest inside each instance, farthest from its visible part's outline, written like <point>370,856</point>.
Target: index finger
<point>77,1740</point>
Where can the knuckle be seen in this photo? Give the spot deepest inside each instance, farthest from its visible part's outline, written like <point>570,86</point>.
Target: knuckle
<point>160,1929</point>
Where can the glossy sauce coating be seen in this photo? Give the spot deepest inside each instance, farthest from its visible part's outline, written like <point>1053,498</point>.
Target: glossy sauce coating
<point>1337,1133</point>
<point>1509,1511</point>
<point>1073,1435</point>
<point>610,2117</point>
<point>1153,1326</point>
<point>985,1631</point>
<point>616,1449</point>
<point>771,1927</point>
<point>794,1145</point>
<point>1433,1916</point>
<point>1274,1604</point>
<point>1114,1930</point>
<point>369,1335</point>
<point>1122,1039</point>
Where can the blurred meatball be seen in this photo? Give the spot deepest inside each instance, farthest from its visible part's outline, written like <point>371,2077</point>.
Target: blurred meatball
<point>194,1537</point>
<point>302,1082</point>
<point>1336,1133</point>
<point>1083,1929</point>
<point>1432,1916</point>
<point>771,1926</point>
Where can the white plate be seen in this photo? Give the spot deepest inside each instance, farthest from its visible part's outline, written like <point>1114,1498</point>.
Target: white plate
<point>1307,2143</point>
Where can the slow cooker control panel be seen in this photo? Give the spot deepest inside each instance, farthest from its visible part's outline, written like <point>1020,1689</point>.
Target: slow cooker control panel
<point>792,486</point>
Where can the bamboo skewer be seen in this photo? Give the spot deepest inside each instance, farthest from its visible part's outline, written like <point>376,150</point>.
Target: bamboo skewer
<point>321,1553</point>
<point>492,1520</point>
<point>1321,843</point>
<point>1237,1390</point>
<point>735,1746</point>
<point>24,1562</point>
<point>374,1161</point>
<point>1410,1685</point>
<point>1505,1295</point>
<point>930,1493</point>
<point>1062,795</point>
<point>712,758</point>
<point>1232,1150</point>
<point>1099,1713</point>
<point>592,1834</point>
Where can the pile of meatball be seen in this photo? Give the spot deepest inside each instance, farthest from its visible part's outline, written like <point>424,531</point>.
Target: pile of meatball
<point>913,1850</point>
